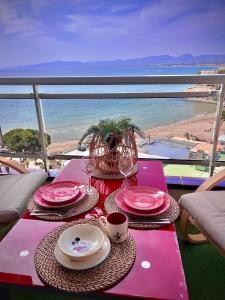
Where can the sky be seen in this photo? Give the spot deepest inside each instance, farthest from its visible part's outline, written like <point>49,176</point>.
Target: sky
<point>35,31</point>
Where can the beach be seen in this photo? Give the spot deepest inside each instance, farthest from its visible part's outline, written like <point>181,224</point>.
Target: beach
<point>199,127</point>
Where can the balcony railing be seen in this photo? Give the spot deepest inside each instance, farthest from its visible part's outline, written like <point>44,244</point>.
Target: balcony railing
<point>35,96</point>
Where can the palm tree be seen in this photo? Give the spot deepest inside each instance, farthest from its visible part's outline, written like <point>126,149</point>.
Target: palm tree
<point>110,131</point>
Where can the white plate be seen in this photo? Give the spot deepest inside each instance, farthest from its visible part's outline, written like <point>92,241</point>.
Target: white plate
<point>87,263</point>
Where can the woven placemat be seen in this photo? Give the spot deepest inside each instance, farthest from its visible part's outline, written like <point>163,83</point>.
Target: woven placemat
<point>171,213</point>
<point>102,175</point>
<point>116,266</point>
<point>86,204</point>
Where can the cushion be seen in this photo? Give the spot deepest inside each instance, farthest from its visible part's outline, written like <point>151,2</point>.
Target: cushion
<point>15,191</point>
<point>208,209</point>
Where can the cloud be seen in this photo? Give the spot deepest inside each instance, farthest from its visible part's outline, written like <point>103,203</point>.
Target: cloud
<point>38,6</point>
<point>13,22</point>
<point>32,32</point>
<point>156,26</point>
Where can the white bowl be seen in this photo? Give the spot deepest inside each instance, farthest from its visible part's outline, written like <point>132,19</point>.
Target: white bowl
<point>89,262</point>
<point>80,241</point>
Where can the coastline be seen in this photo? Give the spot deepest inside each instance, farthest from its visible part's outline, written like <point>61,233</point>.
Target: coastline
<point>201,88</point>
<point>199,127</point>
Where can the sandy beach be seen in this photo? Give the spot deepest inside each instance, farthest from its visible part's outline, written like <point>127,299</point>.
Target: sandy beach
<point>56,148</point>
<point>200,127</point>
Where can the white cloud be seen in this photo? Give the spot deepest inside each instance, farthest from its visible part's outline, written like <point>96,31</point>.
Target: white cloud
<point>99,33</point>
<point>154,29</point>
<point>12,22</point>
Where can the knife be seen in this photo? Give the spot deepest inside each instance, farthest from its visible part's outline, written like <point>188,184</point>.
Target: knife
<point>150,222</point>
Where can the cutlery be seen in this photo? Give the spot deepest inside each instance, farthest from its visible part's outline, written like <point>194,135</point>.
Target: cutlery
<point>39,212</point>
<point>47,214</point>
<point>149,222</point>
<point>147,219</point>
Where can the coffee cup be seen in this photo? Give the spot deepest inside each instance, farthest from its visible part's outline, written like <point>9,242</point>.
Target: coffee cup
<point>116,226</point>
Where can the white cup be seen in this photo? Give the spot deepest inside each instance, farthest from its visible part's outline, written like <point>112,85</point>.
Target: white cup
<point>116,225</point>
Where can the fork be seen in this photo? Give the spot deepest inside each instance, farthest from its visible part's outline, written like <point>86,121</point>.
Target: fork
<point>40,213</point>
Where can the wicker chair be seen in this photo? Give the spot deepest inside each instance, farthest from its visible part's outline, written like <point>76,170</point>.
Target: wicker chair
<point>16,189</point>
<point>205,209</point>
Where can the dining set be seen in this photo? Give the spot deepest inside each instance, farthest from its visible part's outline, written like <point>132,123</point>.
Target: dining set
<point>100,235</point>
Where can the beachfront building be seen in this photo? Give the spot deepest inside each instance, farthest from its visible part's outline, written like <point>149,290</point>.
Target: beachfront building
<point>203,150</point>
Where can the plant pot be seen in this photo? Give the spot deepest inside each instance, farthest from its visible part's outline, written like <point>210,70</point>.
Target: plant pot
<point>107,155</point>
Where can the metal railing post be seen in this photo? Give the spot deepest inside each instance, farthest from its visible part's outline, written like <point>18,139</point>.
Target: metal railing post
<point>1,138</point>
<point>219,111</point>
<point>41,124</point>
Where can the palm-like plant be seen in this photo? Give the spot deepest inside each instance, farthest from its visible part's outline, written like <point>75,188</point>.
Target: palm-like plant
<point>110,131</point>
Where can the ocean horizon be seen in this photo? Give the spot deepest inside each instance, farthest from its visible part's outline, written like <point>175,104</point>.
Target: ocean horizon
<point>68,119</point>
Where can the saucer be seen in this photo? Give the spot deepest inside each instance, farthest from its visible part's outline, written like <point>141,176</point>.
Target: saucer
<point>87,263</point>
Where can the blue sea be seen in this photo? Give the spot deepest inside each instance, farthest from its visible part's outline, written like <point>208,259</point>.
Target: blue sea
<point>68,119</point>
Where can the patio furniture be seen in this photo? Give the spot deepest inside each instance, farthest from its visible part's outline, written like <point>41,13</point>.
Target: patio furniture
<point>205,209</point>
<point>16,189</point>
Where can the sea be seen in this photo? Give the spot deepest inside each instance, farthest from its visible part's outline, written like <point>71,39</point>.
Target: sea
<point>68,119</point>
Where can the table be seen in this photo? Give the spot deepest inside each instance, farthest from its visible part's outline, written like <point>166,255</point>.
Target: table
<point>157,272</point>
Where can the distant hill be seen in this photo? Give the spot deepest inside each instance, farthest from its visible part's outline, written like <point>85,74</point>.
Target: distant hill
<point>186,59</point>
<point>183,59</point>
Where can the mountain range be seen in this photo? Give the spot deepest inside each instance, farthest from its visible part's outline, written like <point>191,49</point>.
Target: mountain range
<point>186,59</point>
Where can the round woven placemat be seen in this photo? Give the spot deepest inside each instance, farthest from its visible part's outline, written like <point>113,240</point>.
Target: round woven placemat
<point>116,266</point>
<point>102,175</point>
<point>171,213</point>
<point>86,204</point>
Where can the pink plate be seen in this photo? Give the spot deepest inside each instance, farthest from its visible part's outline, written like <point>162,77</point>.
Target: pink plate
<point>119,198</point>
<point>38,198</point>
<point>59,194</point>
<point>144,201</point>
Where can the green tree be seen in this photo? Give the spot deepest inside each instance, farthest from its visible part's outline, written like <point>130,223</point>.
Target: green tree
<point>222,118</point>
<point>221,71</point>
<point>24,140</point>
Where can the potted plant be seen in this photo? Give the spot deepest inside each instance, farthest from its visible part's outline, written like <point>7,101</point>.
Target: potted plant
<point>107,140</point>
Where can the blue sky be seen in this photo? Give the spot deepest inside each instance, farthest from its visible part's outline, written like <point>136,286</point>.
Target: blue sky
<point>34,31</point>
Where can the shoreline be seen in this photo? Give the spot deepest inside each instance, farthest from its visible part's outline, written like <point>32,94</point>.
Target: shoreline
<point>199,129</point>
<point>200,88</point>
<point>199,126</point>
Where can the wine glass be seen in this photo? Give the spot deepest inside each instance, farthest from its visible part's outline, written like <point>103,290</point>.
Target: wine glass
<point>126,164</point>
<point>88,167</point>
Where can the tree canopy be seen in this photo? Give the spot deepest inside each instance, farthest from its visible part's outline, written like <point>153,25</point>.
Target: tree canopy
<point>24,140</point>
